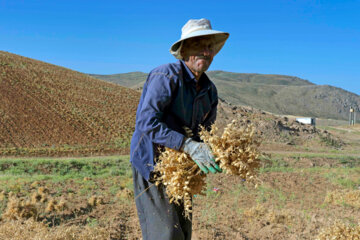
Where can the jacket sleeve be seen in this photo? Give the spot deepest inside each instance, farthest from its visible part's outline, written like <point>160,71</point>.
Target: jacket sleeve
<point>159,89</point>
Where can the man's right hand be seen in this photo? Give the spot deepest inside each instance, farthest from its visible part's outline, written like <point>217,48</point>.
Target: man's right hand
<point>201,154</point>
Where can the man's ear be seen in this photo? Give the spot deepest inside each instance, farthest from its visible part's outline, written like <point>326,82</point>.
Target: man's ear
<point>184,55</point>
<point>183,51</point>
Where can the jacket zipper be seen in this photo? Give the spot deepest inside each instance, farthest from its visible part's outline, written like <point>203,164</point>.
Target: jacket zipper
<point>195,106</point>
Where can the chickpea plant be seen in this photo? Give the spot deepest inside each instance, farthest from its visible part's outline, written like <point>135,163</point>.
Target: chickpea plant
<point>236,152</point>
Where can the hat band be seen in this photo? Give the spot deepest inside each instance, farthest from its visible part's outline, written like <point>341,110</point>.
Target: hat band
<point>194,30</point>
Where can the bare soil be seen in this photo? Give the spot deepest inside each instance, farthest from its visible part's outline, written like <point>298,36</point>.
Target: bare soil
<point>50,110</point>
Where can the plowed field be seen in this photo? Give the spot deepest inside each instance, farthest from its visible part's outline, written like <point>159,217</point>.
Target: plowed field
<point>50,110</point>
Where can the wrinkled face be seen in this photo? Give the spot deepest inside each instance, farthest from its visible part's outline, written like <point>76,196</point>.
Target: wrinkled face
<point>198,53</point>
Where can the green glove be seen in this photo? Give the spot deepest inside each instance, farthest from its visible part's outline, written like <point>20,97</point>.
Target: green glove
<point>201,154</point>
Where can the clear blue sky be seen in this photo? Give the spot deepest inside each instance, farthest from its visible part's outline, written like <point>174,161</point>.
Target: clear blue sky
<point>314,40</point>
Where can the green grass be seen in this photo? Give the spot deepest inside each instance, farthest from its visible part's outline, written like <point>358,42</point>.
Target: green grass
<point>265,193</point>
<point>113,165</point>
<point>277,169</point>
<point>344,177</point>
<point>275,163</point>
<point>15,172</point>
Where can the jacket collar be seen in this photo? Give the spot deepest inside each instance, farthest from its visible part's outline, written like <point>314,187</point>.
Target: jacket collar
<point>187,74</point>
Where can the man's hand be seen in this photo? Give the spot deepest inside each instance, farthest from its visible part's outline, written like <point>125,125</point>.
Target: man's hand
<point>201,154</point>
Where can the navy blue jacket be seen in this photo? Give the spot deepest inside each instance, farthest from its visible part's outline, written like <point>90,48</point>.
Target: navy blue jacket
<point>169,102</point>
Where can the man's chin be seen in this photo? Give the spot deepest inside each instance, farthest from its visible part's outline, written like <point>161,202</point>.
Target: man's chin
<point>203,65</point>
<point>203,68</point>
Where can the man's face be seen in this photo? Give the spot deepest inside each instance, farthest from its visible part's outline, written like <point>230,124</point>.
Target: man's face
<point>198,53</point>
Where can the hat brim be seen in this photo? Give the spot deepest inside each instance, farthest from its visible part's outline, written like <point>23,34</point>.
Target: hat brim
<point>220,39</point>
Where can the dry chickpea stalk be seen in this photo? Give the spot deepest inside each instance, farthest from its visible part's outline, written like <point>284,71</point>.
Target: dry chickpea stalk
<point>236,152</point>
<point>339,231</point>
<point>181,177</point>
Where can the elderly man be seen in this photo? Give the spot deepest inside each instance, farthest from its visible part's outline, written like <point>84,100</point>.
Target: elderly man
<point>175,96</point>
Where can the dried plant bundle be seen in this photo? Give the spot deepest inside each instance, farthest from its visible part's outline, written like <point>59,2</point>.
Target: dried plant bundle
<point>339,231</point>
<point>51,205</point>
<point>270,215</point>
<point>95,201</point>
<point>34,206</point>
<point>338,197</point>
<point>125,193</point>
<point>181,177</point>
<point>236,152</point>
<point>20,209</point>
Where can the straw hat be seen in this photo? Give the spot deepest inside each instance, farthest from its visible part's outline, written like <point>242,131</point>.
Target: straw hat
<point>196,28</point>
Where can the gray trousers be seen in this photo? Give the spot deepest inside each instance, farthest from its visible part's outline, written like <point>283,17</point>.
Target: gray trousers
<point>159,220</point>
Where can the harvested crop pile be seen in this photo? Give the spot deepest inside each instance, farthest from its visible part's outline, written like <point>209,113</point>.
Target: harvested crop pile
<point>34,217</point>
<point>349,197</point>
<point>339,231</point>
<point>236,152</point>
<point>21,208</point>
<point>268,215</point>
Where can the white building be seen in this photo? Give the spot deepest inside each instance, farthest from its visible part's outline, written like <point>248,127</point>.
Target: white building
<point>306,120</point>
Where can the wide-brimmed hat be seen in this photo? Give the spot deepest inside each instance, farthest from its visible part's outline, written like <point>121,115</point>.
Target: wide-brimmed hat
<point>197,28</point>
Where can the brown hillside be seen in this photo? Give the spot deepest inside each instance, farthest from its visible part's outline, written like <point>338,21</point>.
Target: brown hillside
<point>45,108</point>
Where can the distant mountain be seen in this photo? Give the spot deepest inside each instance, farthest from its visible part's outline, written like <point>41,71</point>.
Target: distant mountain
<point>285,95</point>
<point>47,109</point>
<point>278,94</point>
